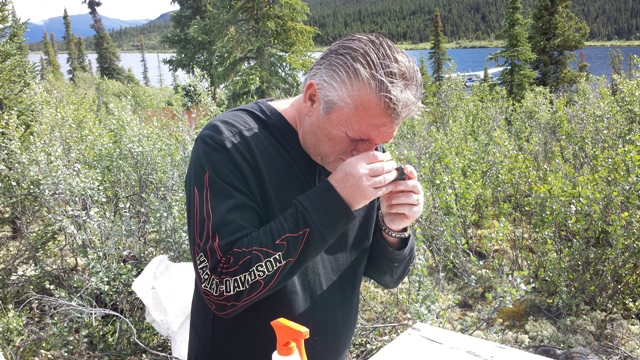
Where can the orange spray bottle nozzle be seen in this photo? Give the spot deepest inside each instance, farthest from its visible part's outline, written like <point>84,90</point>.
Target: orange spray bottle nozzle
<point>289,337</point>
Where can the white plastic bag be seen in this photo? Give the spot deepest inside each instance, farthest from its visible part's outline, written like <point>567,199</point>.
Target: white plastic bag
<point>166,289</point>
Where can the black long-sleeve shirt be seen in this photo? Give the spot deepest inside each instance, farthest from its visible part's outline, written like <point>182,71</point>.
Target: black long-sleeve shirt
<point>271,238</point>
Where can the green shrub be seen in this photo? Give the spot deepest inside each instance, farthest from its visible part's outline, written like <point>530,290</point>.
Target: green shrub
<point>530,228</point>
<point>95,192</point>
<point>535,203</point>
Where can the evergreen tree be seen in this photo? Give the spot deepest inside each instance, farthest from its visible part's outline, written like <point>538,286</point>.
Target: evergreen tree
<point>16,72</point>
<point>438,53</point>
<point>427,82</point>
<point>174,77</point>
<point>160,76</point>
<point>486,77</point>
<point>90,66</point>
<point>143,60</point>
<point>43,67</point>
<point>84,65</point>
<point>108,58</point>
<point>516,77</point>
<point>252,48</point>
<point>54,43</point>
<point>634,63</point>
<point>583,66</point>
<point>72,48</point>
<point>615,60</point>
<point>52,65</point>
<point>555,33</point>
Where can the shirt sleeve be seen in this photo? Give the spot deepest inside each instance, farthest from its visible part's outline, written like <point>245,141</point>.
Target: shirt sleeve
<point>388,266</point>
<point>240,255</point>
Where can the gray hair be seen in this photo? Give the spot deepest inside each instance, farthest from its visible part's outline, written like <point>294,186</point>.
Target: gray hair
<point>371,60</point>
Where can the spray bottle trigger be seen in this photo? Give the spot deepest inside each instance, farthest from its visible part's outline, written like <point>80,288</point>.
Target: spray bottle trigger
<point>290,336</point>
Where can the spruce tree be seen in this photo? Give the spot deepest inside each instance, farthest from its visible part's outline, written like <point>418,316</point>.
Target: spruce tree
<point>438,53</point>
<point>43,68</point>
<point>160,76</point>
<point>516,55</point>
<point>615,60</point>
<point>143,60</point>
<point>174,78</point>
<point>252,49</point>
<point>16,71</point>
<point>108,59</point>
<point>72,48</point>
<point>583,66</point>
<point>83,62</point>
<point>555,33</point>
<point>486,77</point>
<point>54,43</point>
<point>52,65</point>
<point>634,63</point>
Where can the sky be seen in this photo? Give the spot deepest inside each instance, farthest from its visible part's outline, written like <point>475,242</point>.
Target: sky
<point>37,10</point>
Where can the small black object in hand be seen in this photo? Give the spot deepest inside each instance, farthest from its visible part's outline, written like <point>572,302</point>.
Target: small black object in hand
<point>401,175</point>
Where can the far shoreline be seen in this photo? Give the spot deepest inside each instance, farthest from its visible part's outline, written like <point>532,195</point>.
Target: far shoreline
<point>498,44</point>
<point>424,46</point>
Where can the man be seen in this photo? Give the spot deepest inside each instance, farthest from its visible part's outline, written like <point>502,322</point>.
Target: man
<point>291,202</point>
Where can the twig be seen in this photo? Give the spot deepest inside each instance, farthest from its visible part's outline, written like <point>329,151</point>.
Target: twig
<point>73,308</point>
<point>379,326</point>
<point>626,353</point>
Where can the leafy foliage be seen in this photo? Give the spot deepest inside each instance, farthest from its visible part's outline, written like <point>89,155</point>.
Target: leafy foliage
<point>540,216</point>
<point>529,235</point>
<point>95,193</point>
<point>253,49</point>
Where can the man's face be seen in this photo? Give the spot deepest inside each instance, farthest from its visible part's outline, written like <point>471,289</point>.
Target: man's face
<point>346,131</point>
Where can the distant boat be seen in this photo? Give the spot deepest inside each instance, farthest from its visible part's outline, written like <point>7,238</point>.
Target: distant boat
<point>472,78</point>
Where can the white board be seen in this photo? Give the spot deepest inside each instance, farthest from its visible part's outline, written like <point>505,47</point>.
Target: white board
<point>423,341</point>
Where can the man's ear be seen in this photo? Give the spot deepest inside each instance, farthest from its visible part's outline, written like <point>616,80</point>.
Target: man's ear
<point>310,97</point>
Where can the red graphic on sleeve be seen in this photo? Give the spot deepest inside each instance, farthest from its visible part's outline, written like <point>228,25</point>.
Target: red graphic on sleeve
<point>234,278</point>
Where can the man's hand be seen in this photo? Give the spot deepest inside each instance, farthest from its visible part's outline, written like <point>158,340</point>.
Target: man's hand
<point>404,203</point>
<point>364,177</point>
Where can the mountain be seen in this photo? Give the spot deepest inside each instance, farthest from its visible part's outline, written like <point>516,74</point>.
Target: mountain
<point>80,26</point>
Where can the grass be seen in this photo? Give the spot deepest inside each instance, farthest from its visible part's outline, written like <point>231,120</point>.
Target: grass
<point>614,43</point>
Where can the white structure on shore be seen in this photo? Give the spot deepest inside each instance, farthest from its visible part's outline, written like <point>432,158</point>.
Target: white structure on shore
<point>472,78</point>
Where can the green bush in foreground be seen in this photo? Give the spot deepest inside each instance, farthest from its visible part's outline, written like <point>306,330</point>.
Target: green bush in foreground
<point>95,193</point>
<point>529,223</point>
<point>529,234</point>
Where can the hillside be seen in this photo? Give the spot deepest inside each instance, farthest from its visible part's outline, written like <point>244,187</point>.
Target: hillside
<point>125,38</point>
<point>128,39</point>
<point>410,20</point>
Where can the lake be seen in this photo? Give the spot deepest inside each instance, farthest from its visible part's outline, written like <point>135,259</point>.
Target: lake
<point>472,60</point>
<point>466,60</point>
